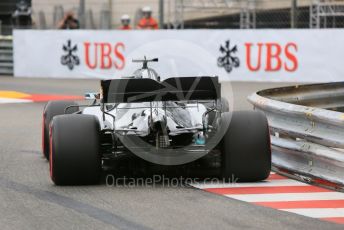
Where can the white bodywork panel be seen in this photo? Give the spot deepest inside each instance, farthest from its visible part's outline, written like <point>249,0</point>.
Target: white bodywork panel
<point>135,116</point>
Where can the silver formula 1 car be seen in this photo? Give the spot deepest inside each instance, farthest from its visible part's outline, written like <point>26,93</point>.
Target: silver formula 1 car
<point>140,123</point>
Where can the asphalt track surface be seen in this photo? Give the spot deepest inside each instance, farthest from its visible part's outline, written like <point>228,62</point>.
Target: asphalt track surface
<point>29,200</point>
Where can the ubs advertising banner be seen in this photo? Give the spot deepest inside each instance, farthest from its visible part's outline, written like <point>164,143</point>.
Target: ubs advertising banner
<point>233,55</point>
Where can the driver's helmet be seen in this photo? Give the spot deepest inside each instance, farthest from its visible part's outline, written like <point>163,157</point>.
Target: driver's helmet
<point>146,73</point>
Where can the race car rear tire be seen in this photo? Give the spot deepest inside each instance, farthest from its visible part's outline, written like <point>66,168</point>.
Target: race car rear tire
<point>51,109</point>
<point>74,151</point>
<point>245,147</point>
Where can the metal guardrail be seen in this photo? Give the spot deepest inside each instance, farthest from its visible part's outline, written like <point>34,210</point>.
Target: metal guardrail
<point>307,130</point>
<point>6,55</point>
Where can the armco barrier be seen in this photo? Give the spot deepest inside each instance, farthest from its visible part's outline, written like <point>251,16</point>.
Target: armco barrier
<point>6,56</point>
<point>307,130</point>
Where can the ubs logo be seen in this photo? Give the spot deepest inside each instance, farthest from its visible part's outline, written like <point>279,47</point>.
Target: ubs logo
<point>228,60</point>
<point>70,59</point>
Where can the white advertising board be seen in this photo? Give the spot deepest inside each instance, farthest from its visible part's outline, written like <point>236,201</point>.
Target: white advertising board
<point>233,55</point>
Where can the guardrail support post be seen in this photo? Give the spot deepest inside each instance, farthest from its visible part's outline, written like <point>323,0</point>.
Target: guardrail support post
<point>161,14</point>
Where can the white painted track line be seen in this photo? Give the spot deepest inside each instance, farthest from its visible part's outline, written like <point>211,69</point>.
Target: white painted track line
<point>13,100</point>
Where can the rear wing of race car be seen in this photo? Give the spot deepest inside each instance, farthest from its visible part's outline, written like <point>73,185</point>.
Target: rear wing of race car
<point>171,89</point>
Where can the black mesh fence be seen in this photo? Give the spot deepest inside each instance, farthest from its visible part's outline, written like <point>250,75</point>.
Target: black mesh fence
<point>264,14</point>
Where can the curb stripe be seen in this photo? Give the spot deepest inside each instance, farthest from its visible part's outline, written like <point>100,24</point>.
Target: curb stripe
<point>13,100</point>
<point>43,97</point>
<point>338,220</point>
<point>19,97</point>
<point>276,177</point>
<point>289,197</point>
<point>12,94</point>
<point>282,193</point>
<point>318,212</point>
<point>303,204</point>
<point>264,190</point>
<point>272,183</point>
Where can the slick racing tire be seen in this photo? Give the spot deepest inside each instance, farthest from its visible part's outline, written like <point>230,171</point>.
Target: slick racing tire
<point>74,150</point>
<point>51,109</point>
<point>245,147</point>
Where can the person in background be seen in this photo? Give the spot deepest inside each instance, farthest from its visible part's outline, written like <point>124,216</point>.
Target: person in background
<point>147,22</point>
<point>69,22</point>
<point>125,20</point>
<point>22,16</point>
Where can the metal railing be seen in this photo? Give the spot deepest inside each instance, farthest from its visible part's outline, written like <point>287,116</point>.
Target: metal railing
<point>307,130</point>
<point>6,55</point>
